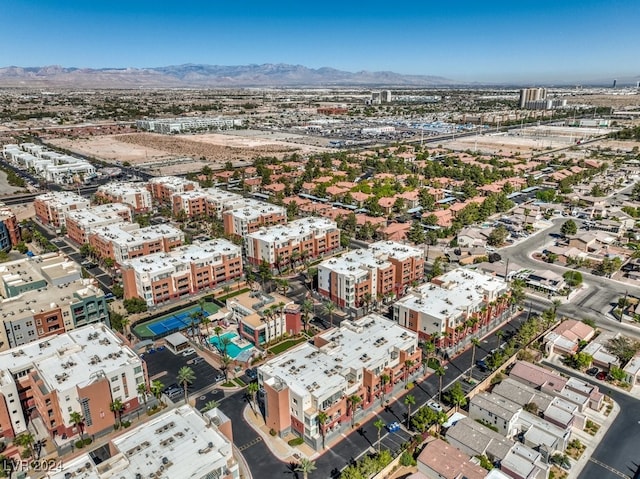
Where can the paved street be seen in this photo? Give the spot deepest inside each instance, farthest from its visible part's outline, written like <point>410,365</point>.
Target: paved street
<point>601,294</point>
<point>618,454</point>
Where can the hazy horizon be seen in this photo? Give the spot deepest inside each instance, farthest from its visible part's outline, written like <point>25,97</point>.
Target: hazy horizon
<point>502,42</point>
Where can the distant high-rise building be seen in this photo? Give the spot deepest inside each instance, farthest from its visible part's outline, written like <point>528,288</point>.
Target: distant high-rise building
<point>531,94</point>
<point>376,98</point>
<point>614,83</point>
<point>385,96</point>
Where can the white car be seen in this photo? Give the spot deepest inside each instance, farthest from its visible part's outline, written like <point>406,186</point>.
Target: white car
<point>435,406</point>
<point>188,352</point>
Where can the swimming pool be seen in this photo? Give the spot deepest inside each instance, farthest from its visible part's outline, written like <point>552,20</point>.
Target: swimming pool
<point>233,350</point>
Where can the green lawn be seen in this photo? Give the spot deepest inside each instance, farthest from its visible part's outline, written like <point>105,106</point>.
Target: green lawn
<point>278,348</point>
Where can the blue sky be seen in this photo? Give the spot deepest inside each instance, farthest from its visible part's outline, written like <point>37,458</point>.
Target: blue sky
<point>518,41</point>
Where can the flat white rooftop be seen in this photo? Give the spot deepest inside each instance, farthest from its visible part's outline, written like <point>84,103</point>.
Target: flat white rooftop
<point>354,263</point>
<point>395,250</point>
<point>177,444</point>
<point>62,198</point>
<point>130,238</point>
<point>295,231</point>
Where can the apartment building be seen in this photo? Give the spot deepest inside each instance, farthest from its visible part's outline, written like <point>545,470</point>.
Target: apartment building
<point>51,208</point>
<point>407,261</point>
<point>136,195</point>
<point>164,187</point>
<point>453,307</point>
<point>263,318</point>
<point>82,223</point>
<point>279,245</point>
<point>247,215</point>
<point>178,125</point>
<point>9,229</point>
<point>180,443</point>
<point>83,370</point>
<point>181,272</point>
<point>341,363</point>
<point>210,202</point>
<point>126,241</point>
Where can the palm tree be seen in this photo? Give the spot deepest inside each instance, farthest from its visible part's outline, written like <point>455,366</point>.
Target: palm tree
<point>379,424</point>
<point>366,299</point>
<point>210,405</point>
<point>409,401</point>
<point>407,366</point>
<point>440,373</point>
<point>499,335</point>
<point>384,380</point>
<point>116,407</point>
<point>225,362</point>
<point>142,391</point>
<point>353,402</point>
<point>26,441</point>
<point>156,389</point>
<point>206,322</point>
<point>429,349</point>
<point>307,309</point>
<point>283,284</point>
<point>252,390</point>
<point>305,467</point>
<point>186,376</point>
<point>78,421</point>
<point>322,419</point>
<point>475,342</point>
<point>330,308</point>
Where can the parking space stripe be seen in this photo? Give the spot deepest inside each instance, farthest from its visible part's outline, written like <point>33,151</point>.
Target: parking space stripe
<point>609,468</point>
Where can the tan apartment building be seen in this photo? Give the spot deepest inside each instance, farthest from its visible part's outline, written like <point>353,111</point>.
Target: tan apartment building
<point>136,195</point>
<point>184,271</point>
<point>164,187</point>
<point>51,208</point>
<point>128,241</point>
<point>82,223</point>
<point>281,245</point>
<point>341,363</point>
<point>246,216</point>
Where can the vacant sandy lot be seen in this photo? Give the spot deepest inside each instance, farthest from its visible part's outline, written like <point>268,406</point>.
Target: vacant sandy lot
<point>6,188</point>
<point>110,148</point>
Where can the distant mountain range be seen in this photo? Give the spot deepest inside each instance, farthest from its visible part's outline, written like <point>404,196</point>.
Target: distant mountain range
<point>191,75</point>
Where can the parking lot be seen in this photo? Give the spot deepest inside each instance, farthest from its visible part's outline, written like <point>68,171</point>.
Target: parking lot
<point>163,365</point>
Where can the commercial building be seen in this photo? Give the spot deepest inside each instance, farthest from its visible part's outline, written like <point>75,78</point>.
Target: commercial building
<point>341,363</point>
<point>43,296</point>
<point>82,223</point>
<point>246,216</point>
<point>170,126</point>
<point>51,208</point>
<point>279,245</point>
<point>164,187</point>
<point>184,271</point>
<point>263,318</point>
<point>52,166</point>
<point>531,95</point>
<point>128,241</point>
<point>454,307</point>
<point>136,195</point>
<point>83,371</point>
<point>180,443</point>
<point>362,276</point>
<point>9,229</point>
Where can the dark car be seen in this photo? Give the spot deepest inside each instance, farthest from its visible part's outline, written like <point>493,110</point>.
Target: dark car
<point>592,371</point>
<point>601,376</point>
<point>251,373</point>
<point>482,366</point>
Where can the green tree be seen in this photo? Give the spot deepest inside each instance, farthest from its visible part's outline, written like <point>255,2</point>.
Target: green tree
<point>330,309</point>
<point>456,396</point>
<point>77,420</point>
<point>135,305</point>
<point>185,377</point>
<point>307,309</point>
<point>305,466</point>
<point>498,236</point>
<point>416,233</point>
<point>475,342</point>
<point>322,419</point>
<point>26,441</point>
<point>384,380</point>
<point>379,425</point>
<point>142,392</point>
<point>573,278</point>
<point>440,372</point>
<point>264,271</point>
<point>210,405</point>
<point>156,389</point>
<point>116,407</point>
<point>353,401</point>
<point>569,228</point>
<point>409,401</point>
<point>252,391</point>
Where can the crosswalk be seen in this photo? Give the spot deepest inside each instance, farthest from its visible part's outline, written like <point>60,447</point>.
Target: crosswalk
<point>246,446</point>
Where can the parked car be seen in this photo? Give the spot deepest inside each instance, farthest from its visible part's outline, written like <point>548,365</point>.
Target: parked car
<point>601,376</point>
<point>251,373</point>
<point>219,378</point>
<point>592,371</point>
<point>188,352</point>
<point>197,360</point>
<point>435,406</point>
<point>393,426</point>
<point>482,366</point>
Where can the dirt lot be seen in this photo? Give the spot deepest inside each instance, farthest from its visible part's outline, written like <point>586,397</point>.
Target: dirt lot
<point>182,153</point>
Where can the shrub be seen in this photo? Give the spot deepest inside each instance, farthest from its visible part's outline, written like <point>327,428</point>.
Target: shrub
<point>79,444</point>
<point>273,432</point>
<point>297,441</point>
<point>407,459</point>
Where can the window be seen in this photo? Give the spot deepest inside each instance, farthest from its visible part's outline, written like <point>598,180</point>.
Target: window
<point>116,389</point>
<point>114,379</point>
<point>137,370</point>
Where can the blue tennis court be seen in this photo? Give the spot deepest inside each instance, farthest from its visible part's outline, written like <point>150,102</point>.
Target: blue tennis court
<point>172,322</point>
